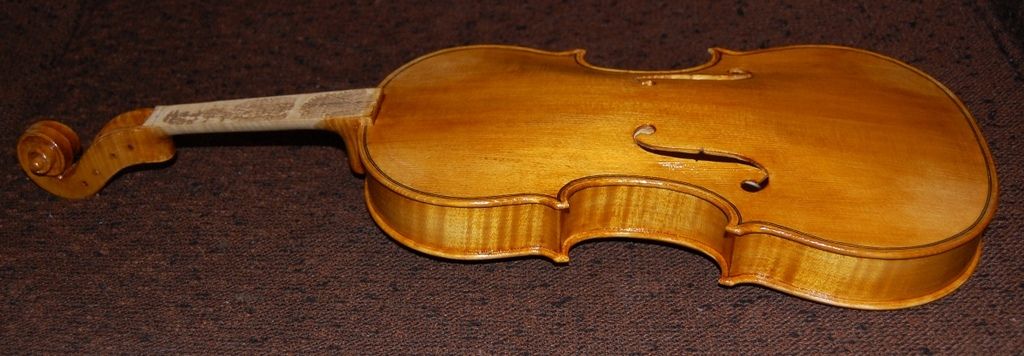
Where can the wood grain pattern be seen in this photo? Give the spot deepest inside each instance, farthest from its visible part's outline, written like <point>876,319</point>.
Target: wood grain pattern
<point>878,186</point>
<point>830,173</point>
<point>846,140</point>
<point>48,148</point>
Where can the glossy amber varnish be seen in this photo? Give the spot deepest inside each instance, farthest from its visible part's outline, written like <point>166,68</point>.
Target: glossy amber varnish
<point>878,187</point>
<point>845,218</point>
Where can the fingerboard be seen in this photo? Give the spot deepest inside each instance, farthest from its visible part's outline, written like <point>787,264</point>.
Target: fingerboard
<point>272,113</point>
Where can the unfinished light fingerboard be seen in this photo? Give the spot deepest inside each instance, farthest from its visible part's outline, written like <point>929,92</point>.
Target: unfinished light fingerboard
<point>286,112</point>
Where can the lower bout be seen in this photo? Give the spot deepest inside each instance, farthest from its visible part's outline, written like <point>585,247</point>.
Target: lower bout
<point>850,281</point>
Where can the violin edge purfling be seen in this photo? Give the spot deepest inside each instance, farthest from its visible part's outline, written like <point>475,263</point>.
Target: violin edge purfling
<point>649,207</point>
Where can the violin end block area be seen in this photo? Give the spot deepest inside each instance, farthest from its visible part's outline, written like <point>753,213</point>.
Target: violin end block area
<point>850,281</point>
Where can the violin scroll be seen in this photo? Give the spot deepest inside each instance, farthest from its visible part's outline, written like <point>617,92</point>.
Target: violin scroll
<point>47,151</point>
<point>47,148</point>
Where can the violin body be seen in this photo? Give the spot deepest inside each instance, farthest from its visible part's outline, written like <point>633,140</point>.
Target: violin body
<point>830,173</point>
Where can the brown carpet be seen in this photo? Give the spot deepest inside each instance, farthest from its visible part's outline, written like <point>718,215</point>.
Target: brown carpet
<point>264,245</point>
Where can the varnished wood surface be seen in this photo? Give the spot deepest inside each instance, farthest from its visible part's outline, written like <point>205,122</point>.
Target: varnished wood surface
<point>850,138</point>
<point>830,173</point>
<point>878,181</point>
<point>47,152</point>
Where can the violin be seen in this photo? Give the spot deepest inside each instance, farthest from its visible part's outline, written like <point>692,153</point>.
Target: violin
<point>830,173</point>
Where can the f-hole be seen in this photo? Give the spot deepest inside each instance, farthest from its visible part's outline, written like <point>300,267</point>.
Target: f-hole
<point>703,154</point>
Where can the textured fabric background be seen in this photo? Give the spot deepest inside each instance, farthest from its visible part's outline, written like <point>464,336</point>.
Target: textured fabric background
<point>262,243</point>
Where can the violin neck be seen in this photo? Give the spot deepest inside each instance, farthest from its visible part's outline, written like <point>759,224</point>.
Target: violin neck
<point>273,113</point>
